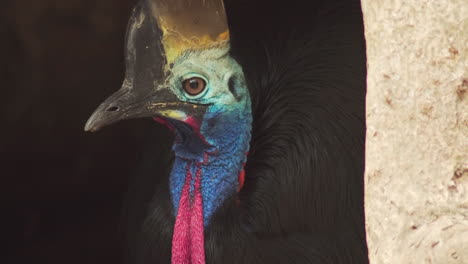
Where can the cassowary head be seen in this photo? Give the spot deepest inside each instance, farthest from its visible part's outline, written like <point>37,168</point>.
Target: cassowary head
<point>180,72</point>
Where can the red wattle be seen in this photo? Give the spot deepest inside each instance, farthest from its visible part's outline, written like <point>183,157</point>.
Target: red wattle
<point>195,124</point>
<point>188,242</point>
<point>181,236</point>
<point>196,223</point>
<point>241,178</point>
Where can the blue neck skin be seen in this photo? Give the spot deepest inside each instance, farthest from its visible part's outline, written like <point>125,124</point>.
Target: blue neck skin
<point>218,149</point>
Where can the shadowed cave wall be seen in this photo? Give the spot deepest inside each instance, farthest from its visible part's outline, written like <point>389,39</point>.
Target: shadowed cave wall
<point>61,189</point>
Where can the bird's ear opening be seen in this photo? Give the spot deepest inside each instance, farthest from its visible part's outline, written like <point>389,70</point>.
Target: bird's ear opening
<point>235,85</point>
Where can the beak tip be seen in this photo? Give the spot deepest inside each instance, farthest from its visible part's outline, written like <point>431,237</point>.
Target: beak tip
<point>90,125</point>
<point>91,128</point>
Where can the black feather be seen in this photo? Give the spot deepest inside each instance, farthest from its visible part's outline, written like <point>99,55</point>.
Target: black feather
<point>302,202</point>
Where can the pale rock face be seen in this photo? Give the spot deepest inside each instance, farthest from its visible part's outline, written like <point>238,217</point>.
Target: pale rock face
<point>417,131</point>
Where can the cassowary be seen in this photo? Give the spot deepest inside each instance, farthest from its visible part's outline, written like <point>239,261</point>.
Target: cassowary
<point>260,155</point>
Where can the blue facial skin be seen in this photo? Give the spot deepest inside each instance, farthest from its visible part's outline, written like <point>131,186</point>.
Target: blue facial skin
<point>219,148</point>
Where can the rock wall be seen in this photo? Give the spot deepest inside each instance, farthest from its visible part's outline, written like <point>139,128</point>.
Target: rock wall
<point>417,137</point>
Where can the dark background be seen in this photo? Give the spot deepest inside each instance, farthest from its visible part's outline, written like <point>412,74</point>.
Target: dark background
<point>61,189</point>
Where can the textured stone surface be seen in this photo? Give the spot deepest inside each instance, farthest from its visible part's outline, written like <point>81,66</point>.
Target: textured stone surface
<point>417,138</point>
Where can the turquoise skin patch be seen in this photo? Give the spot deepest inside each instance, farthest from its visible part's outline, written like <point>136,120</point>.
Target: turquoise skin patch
<point>216,145</point>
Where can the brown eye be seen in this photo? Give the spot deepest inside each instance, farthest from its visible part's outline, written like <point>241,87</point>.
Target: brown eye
<point>194,85</point>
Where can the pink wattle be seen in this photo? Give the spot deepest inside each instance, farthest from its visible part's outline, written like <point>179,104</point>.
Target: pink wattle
<point>188,242</point>
<point>196,223</point>
<point>181,236</point>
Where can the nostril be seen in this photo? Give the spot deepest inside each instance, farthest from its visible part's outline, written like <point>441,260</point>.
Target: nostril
<point>112,109</point>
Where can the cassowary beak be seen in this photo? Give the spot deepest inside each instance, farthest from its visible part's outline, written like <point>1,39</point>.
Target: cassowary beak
<point>125,104</point>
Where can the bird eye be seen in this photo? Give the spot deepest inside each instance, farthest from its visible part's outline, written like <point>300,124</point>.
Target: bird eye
<point>194,85</point>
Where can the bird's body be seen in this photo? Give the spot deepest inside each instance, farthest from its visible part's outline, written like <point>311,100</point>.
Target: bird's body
<point>302,201</point>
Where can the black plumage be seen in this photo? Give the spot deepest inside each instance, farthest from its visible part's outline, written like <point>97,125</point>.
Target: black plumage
<point>305,66</point>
